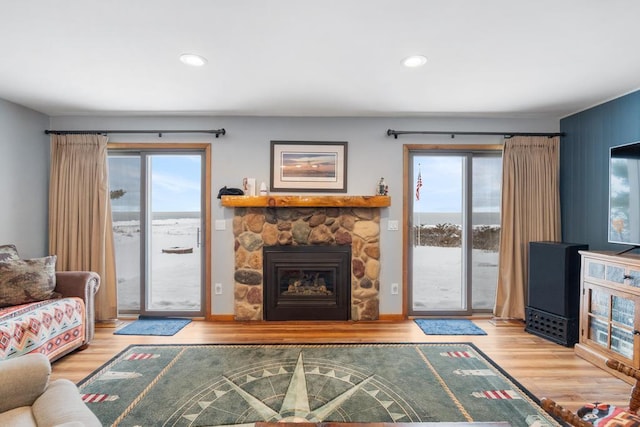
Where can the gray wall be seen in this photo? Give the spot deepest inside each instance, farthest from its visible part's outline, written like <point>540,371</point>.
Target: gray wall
<point>244,151</point>
<point>24,177</point>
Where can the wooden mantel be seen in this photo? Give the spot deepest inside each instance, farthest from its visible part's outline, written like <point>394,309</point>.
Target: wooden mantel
<point>273,201</point>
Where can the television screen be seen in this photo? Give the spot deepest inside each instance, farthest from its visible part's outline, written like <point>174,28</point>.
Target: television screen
<point>624,194</point>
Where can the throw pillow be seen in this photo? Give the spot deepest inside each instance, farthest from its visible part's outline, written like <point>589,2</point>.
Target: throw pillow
<point>28,280</point>
<point>605,415</point>
<point>8,252</point>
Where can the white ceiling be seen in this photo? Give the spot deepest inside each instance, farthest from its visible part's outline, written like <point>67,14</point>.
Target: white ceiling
<point>539,58</point>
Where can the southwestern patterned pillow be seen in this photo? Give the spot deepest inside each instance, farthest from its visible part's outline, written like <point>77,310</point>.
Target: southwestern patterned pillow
<point>605,415</point>
<point>8,252</point>
<point>28,280</point>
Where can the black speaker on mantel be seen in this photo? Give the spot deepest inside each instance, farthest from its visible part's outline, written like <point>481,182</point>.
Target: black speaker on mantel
<point>553,309</point>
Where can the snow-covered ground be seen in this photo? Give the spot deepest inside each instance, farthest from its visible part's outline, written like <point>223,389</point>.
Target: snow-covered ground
<point>176,277</point>
<point>437,284</point>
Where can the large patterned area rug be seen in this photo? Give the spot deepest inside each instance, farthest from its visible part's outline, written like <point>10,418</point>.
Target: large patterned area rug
<point>222,385</point>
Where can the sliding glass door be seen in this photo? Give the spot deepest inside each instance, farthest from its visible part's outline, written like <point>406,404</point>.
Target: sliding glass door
<point>157,203</point>
<point>438,255</point>
<point>455,230</point>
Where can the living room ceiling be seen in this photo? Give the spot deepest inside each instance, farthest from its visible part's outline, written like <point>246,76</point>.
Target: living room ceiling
<point>543,58</point>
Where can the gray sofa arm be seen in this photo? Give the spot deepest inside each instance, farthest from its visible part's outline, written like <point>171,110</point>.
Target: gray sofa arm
<point>84,285</point>
<point>24,384</point>
<point>62,405</point>
<point>24,378</point>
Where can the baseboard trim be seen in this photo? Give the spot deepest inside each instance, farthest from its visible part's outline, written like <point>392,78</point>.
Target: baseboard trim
<point>392,317</point>
<point>221,318</point>
<point>231,318</point>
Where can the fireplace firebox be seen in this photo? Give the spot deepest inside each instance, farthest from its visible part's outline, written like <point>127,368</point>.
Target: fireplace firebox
<point>307,282</point>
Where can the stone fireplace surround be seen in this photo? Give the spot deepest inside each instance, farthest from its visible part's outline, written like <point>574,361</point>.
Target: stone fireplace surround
<point>256,227</point>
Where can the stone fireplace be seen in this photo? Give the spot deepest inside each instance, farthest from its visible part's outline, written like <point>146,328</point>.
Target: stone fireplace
<point>357,228</point>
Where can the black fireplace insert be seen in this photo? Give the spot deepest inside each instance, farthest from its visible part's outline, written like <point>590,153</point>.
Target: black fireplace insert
<point>307,282</point>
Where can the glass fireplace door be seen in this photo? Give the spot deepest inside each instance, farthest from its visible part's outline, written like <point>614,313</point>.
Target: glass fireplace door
<point>307,282</point>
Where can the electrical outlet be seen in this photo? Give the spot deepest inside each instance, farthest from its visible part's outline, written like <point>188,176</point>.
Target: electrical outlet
<point>217,288</point>
<point>392,225</point>
<point>394,289</point>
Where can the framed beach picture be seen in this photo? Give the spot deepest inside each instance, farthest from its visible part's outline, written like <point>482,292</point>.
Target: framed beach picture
<point>309,166</point>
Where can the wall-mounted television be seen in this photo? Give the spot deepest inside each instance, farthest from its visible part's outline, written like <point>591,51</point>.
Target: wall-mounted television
<point>624,194</point>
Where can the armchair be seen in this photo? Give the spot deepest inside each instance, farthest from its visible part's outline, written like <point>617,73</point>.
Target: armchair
<point>27,398</point>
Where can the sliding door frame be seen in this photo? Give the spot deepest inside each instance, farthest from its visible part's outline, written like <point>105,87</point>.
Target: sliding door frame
<point>205,149</point>
<point>408,191</point>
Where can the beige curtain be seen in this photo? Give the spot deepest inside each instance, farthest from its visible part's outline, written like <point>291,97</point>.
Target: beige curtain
<point>530,212</point>
<point>80,231</point>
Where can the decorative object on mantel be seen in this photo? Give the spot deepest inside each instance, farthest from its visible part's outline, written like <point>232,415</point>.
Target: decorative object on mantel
<point>382,189</point>
<point>309,166</point>
<point>263,189</point>
<point>306,201</point>
<point>224,191</point>
<point>249,186</point>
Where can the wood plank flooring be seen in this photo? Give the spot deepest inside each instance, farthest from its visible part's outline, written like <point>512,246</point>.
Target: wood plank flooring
<point>544,368</point>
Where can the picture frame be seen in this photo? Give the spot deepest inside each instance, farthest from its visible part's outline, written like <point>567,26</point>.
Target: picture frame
<point>309,166</point>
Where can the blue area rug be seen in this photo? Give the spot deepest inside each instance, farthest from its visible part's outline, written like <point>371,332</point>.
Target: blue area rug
<point>449,327</point>
<point>166,326</point>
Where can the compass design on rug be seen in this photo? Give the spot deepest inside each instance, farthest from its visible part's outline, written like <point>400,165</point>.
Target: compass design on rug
<point>311,390</point>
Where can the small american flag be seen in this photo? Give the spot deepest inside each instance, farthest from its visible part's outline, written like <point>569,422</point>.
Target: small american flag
<point>418,185</point>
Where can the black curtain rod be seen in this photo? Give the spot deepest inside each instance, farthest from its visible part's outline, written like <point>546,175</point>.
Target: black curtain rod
<point>217,132</point>
<point>395,133</point>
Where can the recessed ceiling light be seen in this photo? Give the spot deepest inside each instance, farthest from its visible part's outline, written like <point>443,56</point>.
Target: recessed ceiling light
<point>414,61</point>
<point>193,60</point>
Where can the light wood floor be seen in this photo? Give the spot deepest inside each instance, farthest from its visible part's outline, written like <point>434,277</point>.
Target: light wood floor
<point>544,368</point>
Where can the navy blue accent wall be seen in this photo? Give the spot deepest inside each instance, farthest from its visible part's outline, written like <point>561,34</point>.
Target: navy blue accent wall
<point>584,167</point>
